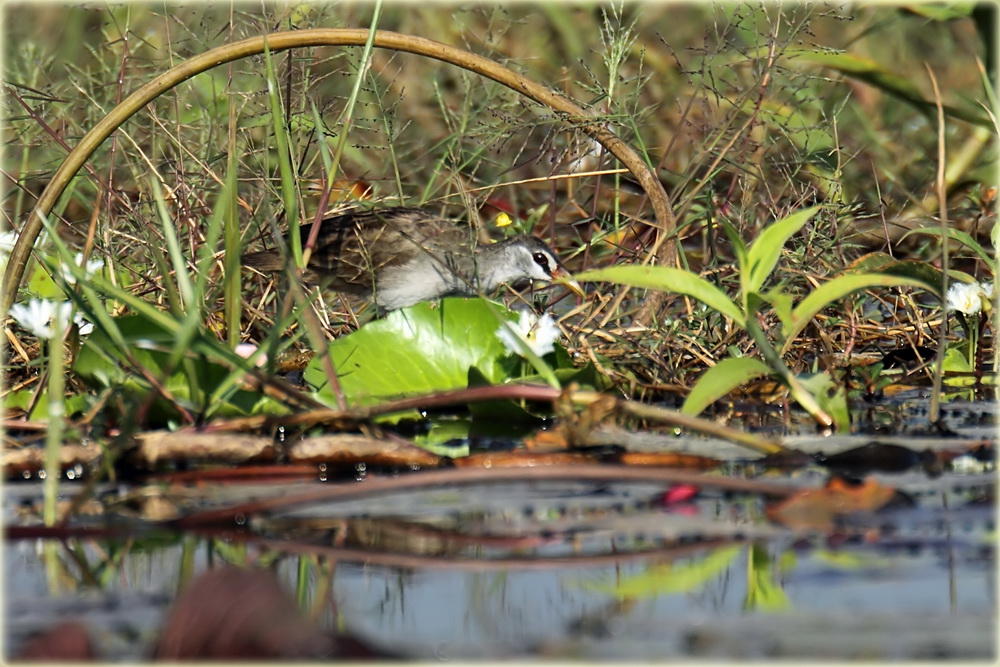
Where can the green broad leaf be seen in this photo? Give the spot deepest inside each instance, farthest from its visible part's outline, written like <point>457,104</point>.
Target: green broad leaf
<point>880,262</point>
<point>20,400</point>
<point>962,237</point>
<point>421,349</point>
<point>721,379</point>
<point>764,252</point>
<point>587,376</point>
<point>835,289</point>
<point>955,361</point>
<point>41,284</point>
<point>831,397</point>
<point>512,418</point>
<point>668,279</point>
<point>669,578</point>
<point>763,592</point>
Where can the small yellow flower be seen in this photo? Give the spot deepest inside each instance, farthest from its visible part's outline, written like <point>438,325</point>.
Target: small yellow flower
<point>503,220</point>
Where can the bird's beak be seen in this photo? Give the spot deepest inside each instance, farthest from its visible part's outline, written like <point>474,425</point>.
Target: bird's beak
<point>562,276</point>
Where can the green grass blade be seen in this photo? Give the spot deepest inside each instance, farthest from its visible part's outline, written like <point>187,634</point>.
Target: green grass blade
<point>289,195</point>
<point>184,285</point>
<point>232,244</point>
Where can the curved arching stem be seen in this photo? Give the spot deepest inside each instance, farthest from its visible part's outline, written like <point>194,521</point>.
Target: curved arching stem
<point>279,41</point>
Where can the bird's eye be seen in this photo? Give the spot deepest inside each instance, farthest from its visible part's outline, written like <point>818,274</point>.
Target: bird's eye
<point>542,261</point>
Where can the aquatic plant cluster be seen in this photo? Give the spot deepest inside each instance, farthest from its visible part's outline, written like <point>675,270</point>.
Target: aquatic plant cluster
<point>780,216</point>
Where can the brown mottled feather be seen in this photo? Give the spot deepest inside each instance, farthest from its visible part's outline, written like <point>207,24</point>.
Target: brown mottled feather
<point>352,248</point>
<point>401,256</point>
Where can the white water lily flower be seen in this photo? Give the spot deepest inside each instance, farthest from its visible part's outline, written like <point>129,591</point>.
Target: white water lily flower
<point>965,298</point>
<point>42,317</point>
<point>90,268</point>
<point>538,333</point>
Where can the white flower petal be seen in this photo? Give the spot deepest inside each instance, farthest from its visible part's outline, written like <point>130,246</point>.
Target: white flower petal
<point>965,298</point>
<point>538,333</point>
<point>543,335</point>
<point>41,317</point>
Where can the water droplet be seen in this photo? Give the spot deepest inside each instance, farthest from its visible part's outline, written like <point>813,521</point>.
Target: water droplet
<point>41,474</point>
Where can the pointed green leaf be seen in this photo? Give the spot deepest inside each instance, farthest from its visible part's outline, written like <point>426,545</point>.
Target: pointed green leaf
<point>668,279</point>
<point>721,379</point>
<point>836,289</point>
<point>880,262</point>
<point>766,249</point>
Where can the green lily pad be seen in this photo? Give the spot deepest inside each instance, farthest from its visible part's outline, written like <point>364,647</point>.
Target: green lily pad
<point>416,350</point>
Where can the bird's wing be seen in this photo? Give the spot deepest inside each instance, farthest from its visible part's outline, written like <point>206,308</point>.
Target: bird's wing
<point>356,246</point>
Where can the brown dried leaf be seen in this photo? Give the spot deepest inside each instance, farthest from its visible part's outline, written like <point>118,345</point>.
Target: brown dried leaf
<point>353,448</point>
<point>32,459</point>
<point>225,447</point>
